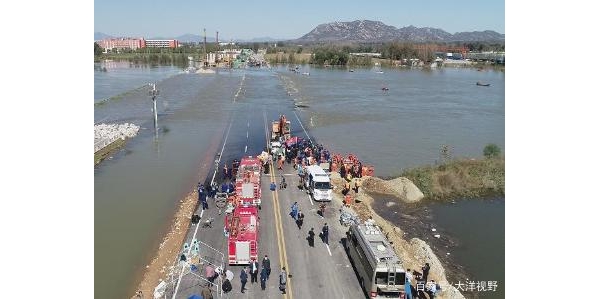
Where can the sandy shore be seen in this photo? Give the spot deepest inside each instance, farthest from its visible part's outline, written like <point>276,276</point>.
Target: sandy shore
<point>169,248</point>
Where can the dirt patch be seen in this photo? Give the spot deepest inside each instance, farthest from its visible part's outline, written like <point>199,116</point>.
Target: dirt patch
<point>169,248</point>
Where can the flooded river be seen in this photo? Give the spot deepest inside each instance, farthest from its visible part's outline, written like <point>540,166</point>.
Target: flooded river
<point>138,189</point>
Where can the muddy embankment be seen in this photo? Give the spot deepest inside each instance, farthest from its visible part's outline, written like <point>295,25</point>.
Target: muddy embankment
<point>414,253</point>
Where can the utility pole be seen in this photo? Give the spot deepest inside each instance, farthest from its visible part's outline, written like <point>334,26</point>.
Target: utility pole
<point>154,93</point>
<point>204,58</point>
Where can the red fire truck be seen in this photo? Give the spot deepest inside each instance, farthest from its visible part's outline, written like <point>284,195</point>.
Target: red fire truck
<point>247,183</point>
<point>242,228</point>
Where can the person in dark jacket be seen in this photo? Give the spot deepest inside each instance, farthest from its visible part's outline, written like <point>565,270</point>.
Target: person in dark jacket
<point>325,234</point>
<point>425,271</point>
<point>263,279</point>
<point>266,264</point>
<point>243,279</point>
<point>254,271</point>
<point>226,286</point>
<point>300,219</point>
<point>311,237</point>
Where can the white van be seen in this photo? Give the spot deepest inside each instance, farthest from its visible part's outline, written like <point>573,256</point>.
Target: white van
<point>317,183</point>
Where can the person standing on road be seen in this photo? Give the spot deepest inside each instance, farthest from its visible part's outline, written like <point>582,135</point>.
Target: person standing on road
<point>325,233</point>
<point>243,278</point>
<point>263,279</point>
<point>300,219</point>
<point>282,280</point>
<point>311,237</point>
<point>254,271</point>
<point>266,264</point>
<point>202,196</point>
<point>294,212</point>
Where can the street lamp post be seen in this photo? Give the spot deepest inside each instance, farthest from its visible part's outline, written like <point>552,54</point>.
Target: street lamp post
<point>154,93</point>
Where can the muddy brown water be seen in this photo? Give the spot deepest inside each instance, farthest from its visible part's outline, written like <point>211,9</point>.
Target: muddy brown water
<point>137,189</point>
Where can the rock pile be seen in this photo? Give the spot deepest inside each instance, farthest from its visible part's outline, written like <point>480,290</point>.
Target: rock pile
<point>105,134</point>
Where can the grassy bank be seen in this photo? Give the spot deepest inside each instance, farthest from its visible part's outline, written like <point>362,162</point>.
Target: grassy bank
<point>466,178</point>
<point>108,150</point>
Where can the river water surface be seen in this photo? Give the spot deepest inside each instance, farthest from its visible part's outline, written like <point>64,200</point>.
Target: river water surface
<point>138,188</point>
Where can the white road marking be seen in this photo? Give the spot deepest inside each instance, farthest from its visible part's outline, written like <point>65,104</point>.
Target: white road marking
<point>311,202</point>
<point>328,249</point>
<point>245,149</point>
<point>202,212</point>
<point>303,127</point>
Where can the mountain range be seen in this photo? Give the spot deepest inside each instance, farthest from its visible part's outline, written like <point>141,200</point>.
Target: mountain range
<point>359,31</point>
<point>375,31</point>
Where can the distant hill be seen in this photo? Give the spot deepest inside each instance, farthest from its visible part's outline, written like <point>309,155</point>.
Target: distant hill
<point>375,31</point>
<point>100,36</point>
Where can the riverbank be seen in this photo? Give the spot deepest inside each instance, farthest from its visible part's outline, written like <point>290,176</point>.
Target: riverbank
<point>460,178</point>
<point>413,253</point>
<point>168,250</point>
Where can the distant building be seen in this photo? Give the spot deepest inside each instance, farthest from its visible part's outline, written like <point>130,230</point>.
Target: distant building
<point>122,43</point>
<point>136,43</point>
<point>366,54</point>
<point>162,43</point>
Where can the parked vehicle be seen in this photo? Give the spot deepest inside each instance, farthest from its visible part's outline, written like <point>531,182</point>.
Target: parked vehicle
<point>379,270</point>
<point>318,184</point>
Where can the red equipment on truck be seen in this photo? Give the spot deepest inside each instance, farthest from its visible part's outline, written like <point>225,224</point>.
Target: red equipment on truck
<point>247,183</point>
<point>242,241</point>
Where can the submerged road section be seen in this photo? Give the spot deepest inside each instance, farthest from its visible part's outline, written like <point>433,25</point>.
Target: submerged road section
<point>322,271</point>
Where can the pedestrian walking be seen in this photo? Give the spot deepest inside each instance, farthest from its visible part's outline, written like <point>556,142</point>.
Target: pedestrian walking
<point>294,212</point>
<point>266,264</point>
<point>243,278</point>
<point>254,271</point>
<point>325,233</point>
<point>356,185</point>
<point>282,280</point>
<point>425,271</point>
<point>311,237</point>
<point>300,219</point>
<point>263,279</point>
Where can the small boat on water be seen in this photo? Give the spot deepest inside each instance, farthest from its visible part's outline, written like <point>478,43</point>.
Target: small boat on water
<point>385,88</point>
<point>482,84</point>
<point>306,73</point>
<point>351,70</point>
<point>379,72</point>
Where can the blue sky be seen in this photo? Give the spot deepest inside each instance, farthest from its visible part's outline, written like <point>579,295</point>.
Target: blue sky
<point>286,19</point>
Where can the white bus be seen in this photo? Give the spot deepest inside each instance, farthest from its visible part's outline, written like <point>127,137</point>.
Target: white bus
<point>317,183</point>
<point>379,270</point>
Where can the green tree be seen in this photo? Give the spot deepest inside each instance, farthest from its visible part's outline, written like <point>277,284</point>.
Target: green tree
<point>491,151</point>
<point>97,49</point>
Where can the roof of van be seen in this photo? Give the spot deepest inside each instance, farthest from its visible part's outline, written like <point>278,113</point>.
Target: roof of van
<point>378,248</point>
<point>319,175</point>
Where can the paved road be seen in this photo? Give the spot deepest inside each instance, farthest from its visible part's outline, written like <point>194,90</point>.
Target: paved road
<point>319,272</point>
